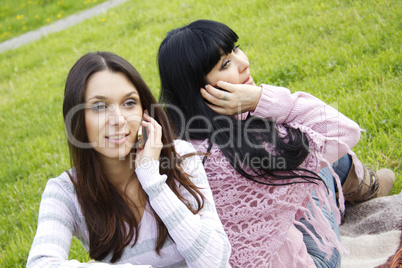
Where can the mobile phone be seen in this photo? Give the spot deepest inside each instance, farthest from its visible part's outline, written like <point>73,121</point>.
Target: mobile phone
<point>142,137</point>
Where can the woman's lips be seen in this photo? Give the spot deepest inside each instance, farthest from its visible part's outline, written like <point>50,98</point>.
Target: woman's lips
<point>249,81</point>
<point>117,139</point>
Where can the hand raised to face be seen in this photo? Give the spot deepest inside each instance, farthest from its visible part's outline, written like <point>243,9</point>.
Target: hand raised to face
<point>153,146</point>
<point>231,99</point>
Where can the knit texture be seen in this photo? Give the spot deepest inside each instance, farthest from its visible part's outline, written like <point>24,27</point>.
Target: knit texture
<point>260,220</point>
<point>195,240</point>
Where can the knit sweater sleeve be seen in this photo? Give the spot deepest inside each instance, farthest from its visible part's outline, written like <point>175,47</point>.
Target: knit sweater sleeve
<point>57,223</point>
<point>200,238</point>
<point>332,133</point>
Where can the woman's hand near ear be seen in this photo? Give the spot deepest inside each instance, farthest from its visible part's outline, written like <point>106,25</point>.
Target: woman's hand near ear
<point>232,99</point>
<point>153,146</point>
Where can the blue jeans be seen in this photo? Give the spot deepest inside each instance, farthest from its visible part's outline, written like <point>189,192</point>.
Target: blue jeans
<point>341,167</point>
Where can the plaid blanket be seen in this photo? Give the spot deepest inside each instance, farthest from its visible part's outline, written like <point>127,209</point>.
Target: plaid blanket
<point>372,231</point>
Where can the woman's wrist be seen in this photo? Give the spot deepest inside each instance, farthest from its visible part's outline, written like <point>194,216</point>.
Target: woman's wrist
<point>257,98</point>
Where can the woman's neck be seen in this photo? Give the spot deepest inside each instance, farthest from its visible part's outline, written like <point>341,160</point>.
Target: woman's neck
<point>119,171</point>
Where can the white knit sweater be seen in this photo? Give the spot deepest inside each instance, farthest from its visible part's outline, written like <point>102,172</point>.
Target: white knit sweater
<point>195,240</point>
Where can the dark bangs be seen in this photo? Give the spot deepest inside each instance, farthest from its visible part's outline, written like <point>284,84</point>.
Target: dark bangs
<point>185,57</point>
<point>215,38</point>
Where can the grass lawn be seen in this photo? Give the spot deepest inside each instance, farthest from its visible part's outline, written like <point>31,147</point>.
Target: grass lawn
<point>347,53</point>
<point>21,16</point>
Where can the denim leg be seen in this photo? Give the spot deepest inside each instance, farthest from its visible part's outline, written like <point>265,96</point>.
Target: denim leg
<point>316,254</point>
<point>341,167</point>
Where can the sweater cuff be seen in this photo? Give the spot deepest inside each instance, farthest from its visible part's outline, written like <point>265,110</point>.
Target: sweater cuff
<point>148,174</point>
<point>275,103</point>
<point>264,102</point>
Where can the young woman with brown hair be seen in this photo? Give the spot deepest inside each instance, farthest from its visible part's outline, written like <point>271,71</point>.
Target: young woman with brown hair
<point>126,204</point>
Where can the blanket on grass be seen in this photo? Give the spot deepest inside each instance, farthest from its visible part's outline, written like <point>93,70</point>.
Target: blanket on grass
<point>372,232</point>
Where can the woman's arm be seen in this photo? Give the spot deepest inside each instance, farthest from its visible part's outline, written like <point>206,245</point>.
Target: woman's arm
<point>55,229</point>
<point>333,133</point>
<point>57,222</point>
<point>200,238</point>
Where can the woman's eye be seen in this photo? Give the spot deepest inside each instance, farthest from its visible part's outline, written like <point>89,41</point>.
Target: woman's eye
<point>225,64</point>
<point>236,48</point>
<point>130,103</point>
<point>99,106</point>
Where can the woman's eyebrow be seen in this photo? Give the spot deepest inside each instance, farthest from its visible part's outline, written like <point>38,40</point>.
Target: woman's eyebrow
<point>131,93</point>
<point>99,97</point>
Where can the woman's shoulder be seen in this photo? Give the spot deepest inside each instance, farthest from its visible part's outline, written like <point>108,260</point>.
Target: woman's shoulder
<point>183,147</point>
<point>60,198</point>
<point>191,163</point>
<point>62,183</point>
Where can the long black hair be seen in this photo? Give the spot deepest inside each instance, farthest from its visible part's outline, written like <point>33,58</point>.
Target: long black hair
<point>185,57</point>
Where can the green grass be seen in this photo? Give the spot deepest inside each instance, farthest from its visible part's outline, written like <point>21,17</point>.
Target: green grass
<point>20,16</point>
<point>345,52</point>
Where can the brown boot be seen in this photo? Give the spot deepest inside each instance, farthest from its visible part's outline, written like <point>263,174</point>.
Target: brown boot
<point>372,185</point>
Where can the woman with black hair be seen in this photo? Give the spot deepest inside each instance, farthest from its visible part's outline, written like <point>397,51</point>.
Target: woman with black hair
<point>268,153</point>
<point>129,203</point>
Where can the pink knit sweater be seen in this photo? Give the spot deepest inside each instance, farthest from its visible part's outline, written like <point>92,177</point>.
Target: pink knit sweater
<point>260,220</point>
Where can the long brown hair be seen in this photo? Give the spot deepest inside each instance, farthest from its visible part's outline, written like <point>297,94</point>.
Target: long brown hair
<point>105,209</point>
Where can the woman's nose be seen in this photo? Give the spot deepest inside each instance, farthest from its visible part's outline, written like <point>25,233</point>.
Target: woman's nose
<point>115,116</point>
<point>243,62</point>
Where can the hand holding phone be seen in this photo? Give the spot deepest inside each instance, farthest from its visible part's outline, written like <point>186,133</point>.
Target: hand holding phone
<point>149,145</point>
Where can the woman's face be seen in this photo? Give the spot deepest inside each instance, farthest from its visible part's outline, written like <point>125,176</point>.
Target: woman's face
<point>232,68</point>
<point>113,114</point>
